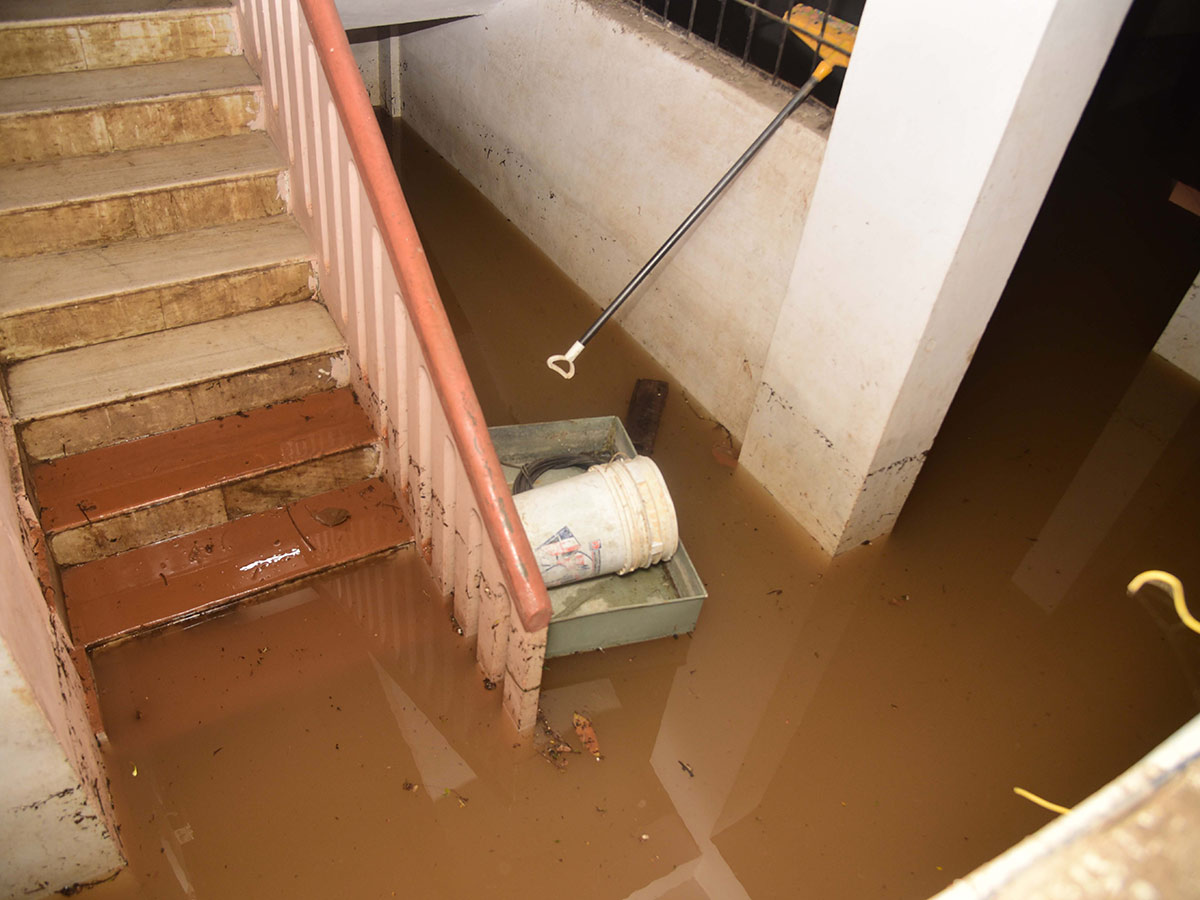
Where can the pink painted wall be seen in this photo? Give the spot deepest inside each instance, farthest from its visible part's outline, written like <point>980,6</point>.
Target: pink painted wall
<point>53,774</point>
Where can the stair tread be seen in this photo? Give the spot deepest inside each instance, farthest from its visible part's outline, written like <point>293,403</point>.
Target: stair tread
<point>138,366</point>
<point>62,91</point>
<point>63,181</point>
<point>46,281</point>
<point>28,11</point>
<point>174,579</point>
<point>112,480</point>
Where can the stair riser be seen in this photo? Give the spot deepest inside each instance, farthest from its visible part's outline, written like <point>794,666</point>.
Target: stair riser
<point>213,507</point>
<point>140,312</point>
<point>87,429</point>
<point>149,214</point>
<point>39,49</point>
<point>132,126</point>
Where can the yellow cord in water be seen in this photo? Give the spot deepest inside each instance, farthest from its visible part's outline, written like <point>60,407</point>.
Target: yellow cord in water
<point>1172,586</point>
<point>1029,795</point>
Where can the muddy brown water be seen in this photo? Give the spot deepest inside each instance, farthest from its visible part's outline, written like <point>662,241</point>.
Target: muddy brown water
<point>845,729</point>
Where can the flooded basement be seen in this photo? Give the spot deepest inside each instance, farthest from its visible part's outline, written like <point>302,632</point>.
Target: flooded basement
<point>846,729</point>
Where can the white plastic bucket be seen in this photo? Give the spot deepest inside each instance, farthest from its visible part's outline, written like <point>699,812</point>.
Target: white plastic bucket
<point>615,517</point>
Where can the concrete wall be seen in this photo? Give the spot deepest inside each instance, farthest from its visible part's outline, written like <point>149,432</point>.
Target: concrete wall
<point>1180,342</point>
<point>55,820</point>
<point>930,185</point>
<point>596,133</point>
<point>369,47</point>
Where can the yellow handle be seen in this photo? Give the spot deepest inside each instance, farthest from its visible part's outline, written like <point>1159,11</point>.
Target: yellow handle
<point>830,38</point>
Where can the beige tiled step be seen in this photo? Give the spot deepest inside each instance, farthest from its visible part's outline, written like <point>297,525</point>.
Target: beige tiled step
<point>67,35</point>
<point>78,113</point>
<point>93,396</point>
<point>84,201</point>
<point>82,297</point>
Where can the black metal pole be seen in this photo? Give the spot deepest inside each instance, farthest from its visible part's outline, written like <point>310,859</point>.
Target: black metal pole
<point>799,97</point>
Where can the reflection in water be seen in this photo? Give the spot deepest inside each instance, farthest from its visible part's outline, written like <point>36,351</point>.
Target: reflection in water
<point>442,770</point>
<point>847,729</point>
<point>1149,415</point>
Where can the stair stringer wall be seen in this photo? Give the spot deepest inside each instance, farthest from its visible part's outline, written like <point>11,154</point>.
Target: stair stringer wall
<point>61,799</point>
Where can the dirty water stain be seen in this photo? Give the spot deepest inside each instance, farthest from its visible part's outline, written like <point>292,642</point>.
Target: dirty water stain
<point>847,729</point>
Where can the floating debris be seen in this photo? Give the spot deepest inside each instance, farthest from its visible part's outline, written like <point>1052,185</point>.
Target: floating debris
<point>488,684</point>
<point>462,801</point>
<point>587,734</point>
<point>556,750</point>
<point>410,787</point>
<point>686,768</point>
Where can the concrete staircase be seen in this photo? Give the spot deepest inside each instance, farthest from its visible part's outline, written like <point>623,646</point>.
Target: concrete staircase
<point>177,387</point>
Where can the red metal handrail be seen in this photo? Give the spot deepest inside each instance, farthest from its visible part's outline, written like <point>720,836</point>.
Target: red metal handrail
<point>446,368</point>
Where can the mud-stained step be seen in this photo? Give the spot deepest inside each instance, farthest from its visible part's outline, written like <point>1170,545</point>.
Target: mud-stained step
<point>78,113</point>
<point>77,400</point>
<point>65,36</point>
<point>177,579</point>
<point>113,499</point>
<point>82,297</point>
<point>83,201</point>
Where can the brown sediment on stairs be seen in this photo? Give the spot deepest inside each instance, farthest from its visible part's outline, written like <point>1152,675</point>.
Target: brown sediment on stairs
<point>176,579</point>
<point>116,498</point>
<point>110,480</point>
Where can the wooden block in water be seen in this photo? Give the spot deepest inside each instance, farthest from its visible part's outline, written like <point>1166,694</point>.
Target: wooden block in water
<point>645,411</point>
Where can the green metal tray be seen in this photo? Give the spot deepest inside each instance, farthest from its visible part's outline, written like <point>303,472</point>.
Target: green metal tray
<point>614,609</point>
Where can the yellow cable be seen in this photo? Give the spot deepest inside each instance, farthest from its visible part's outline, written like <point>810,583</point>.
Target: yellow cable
<point>1029,795</point>
<point>1172,586</point>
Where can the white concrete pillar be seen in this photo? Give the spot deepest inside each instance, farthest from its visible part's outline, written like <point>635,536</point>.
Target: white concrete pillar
<point>1179,343</point>
<point>950,126</point>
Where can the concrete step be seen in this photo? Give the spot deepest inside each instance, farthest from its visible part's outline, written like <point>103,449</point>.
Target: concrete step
<point>76,400</point>
<point>79,113</point>
<point>181,578</point>
<point>117,498</point>
<point>85,201</point>
<point>57,302</point>
<point>42,36</point>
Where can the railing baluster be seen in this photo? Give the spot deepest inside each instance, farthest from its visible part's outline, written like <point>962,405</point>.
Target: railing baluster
<point>409,374</point>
